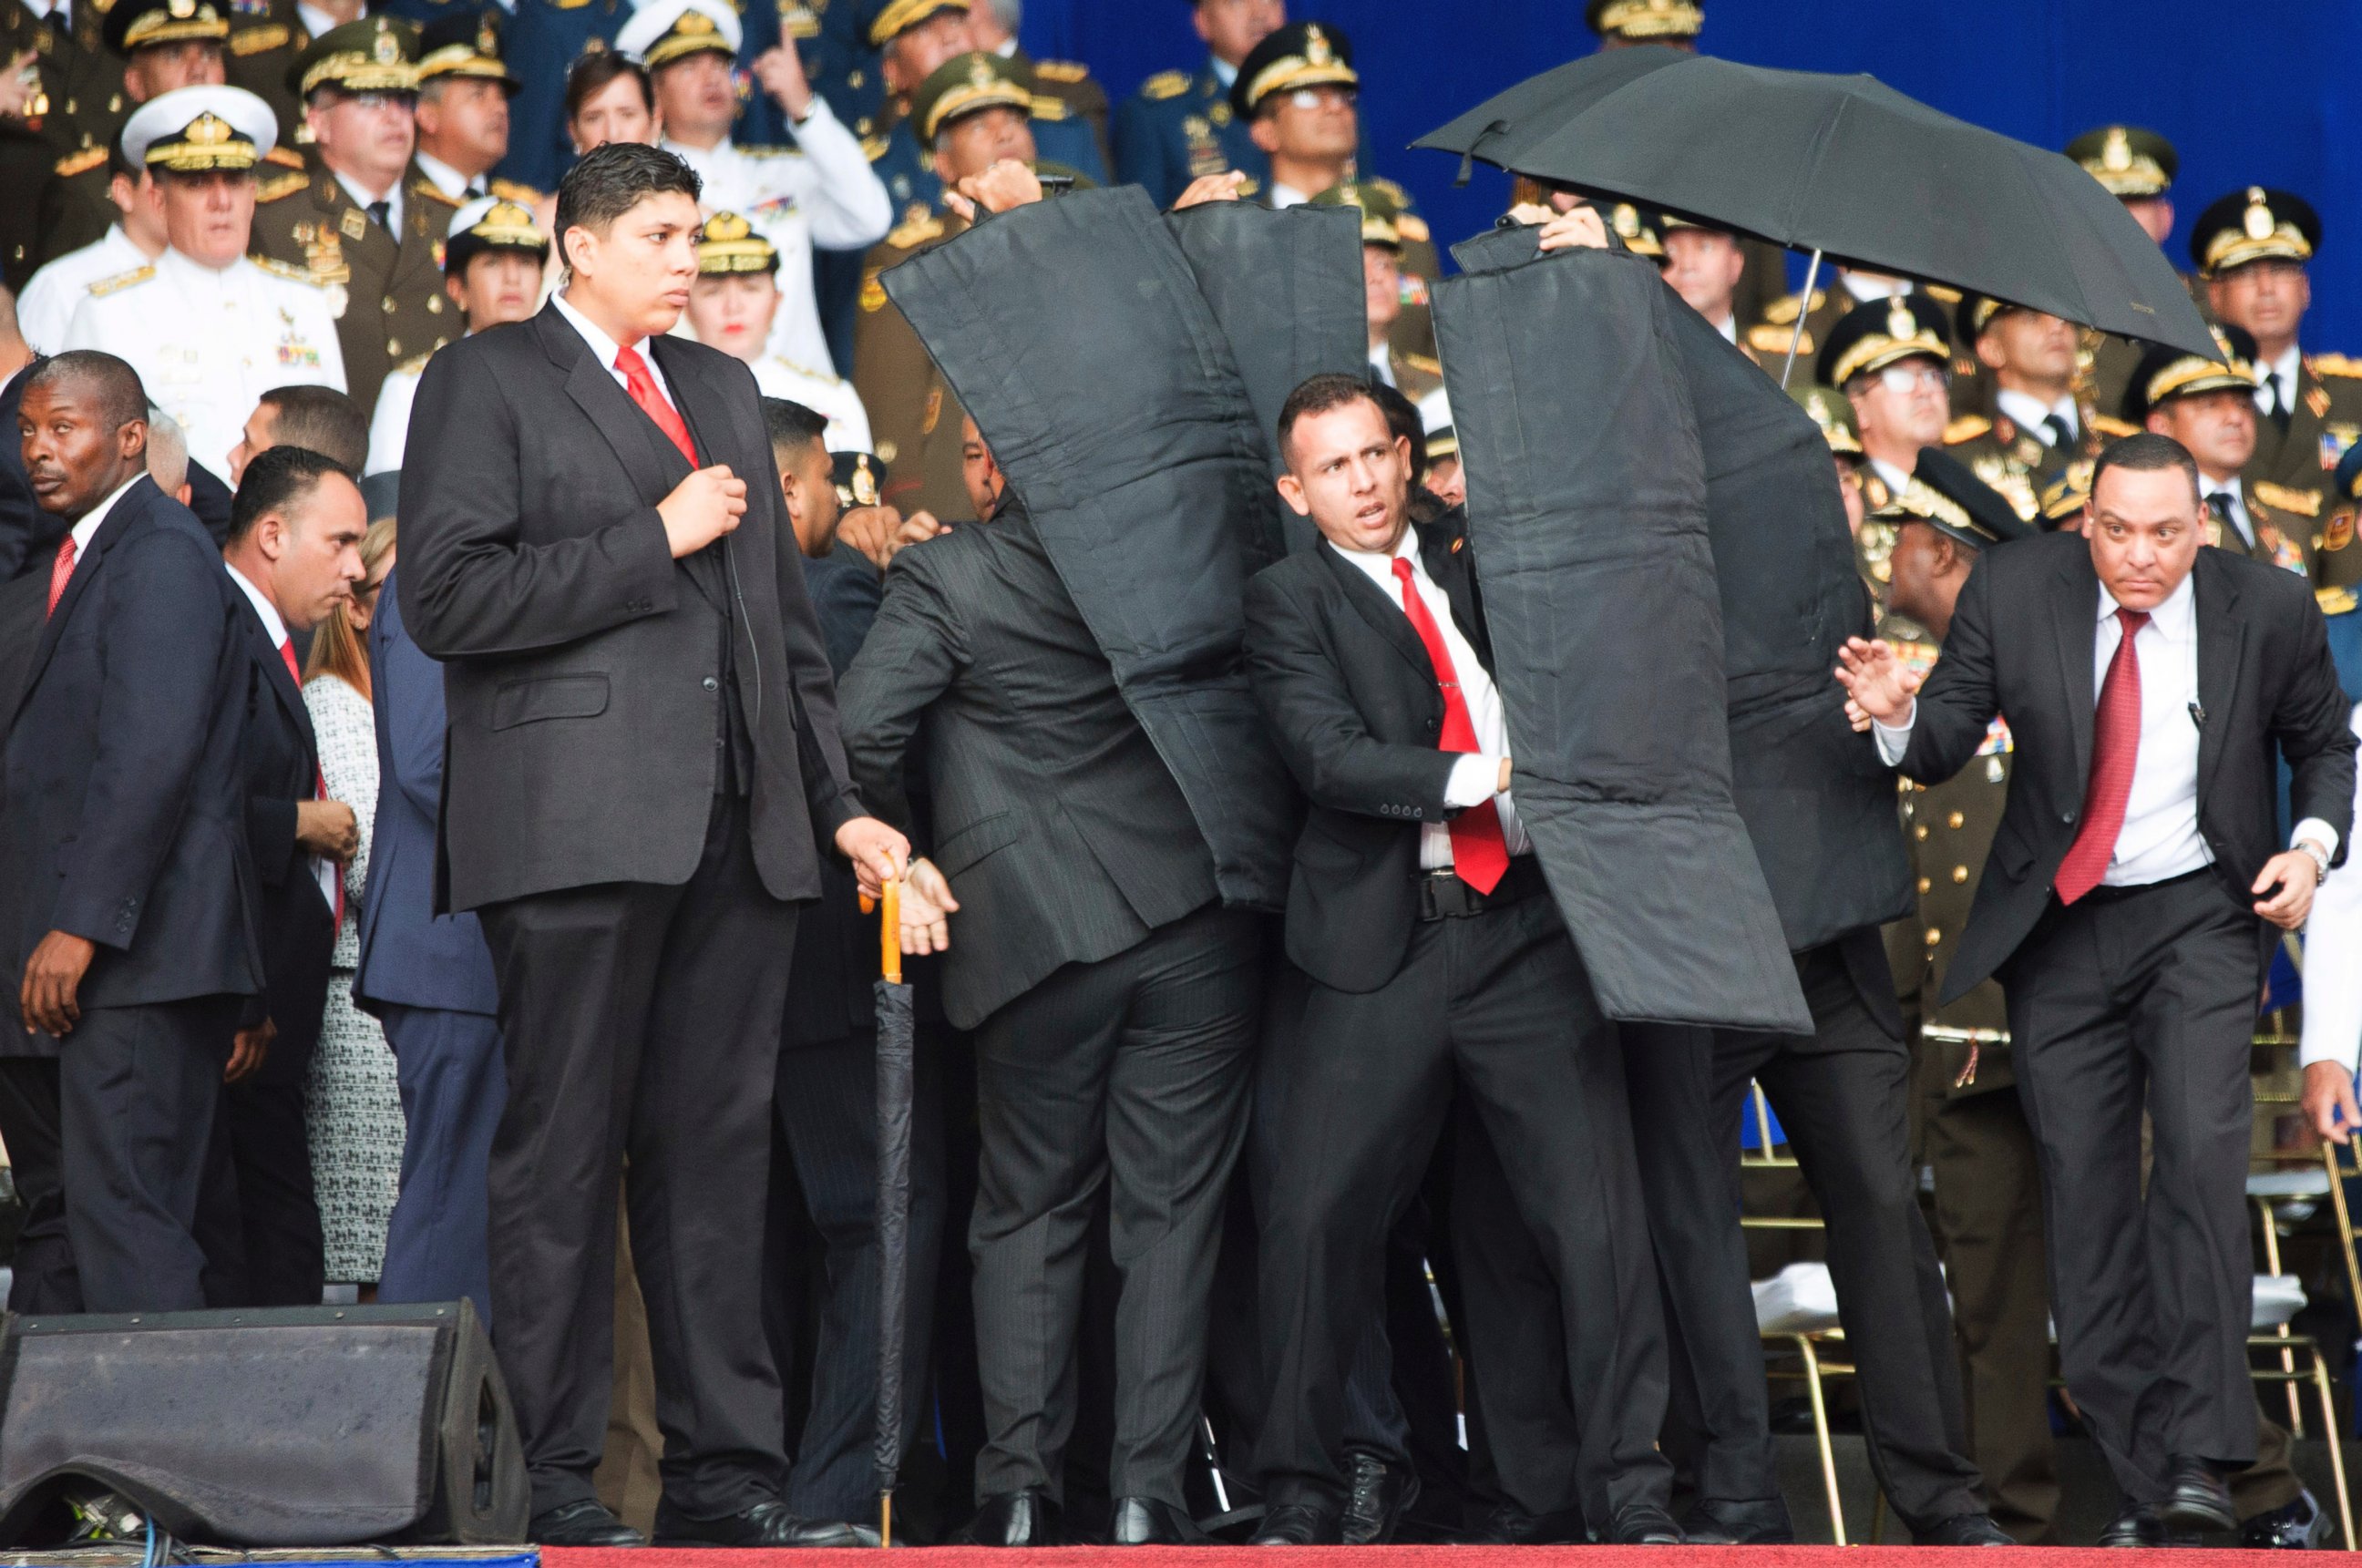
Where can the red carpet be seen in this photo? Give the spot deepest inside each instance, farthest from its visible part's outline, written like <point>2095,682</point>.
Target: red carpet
<point>1395,1557</point>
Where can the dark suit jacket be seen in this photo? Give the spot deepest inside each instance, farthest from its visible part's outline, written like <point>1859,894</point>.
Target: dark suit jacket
<point>583,664</point>
<point>297,922</point>
<point>28,535</point>
<point>1352,699</point>
<point>408,954</point>
<point>836,945</point>
<point>1061,831</point>
<point>124,800</point>
<point>2020,646</point>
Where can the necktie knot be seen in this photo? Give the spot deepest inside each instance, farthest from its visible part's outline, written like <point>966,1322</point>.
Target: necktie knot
<point>380,213</point>
<point>2131,620</point>
<point>1402,571</point>
<point>640,385</point>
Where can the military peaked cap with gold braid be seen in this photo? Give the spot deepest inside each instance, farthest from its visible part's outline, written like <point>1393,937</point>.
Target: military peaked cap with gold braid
<point>142,24</point>
<point>2131,162</point>
<point>195,130</point>
<point>966,85</point>
<point>1946,493</point>
<point>2165,373</point>
<point>466,46</point>
<point>486,223</point>
<point>728,243</point>
<point>1302,54</point>
<point>1873,336</point>
<point>1645,21</point>
<point>376,54</point>
<point>898,16</point>
<point>665,31</point>
<point>2254,225</point>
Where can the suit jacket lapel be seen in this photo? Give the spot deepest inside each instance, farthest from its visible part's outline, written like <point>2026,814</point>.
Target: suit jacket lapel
<point>2222,644</point>
<point>274,674</point>
<point>647,456</point>
<point>133,506</point>
<point>2075,613</point>
<point>707,413</point>
<point>1385,617</point>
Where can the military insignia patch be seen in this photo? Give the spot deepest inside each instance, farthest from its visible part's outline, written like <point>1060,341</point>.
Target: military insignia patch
<point>2339,533</point>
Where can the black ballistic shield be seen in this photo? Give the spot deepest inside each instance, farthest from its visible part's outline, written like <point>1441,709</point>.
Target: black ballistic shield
<point>1076,332</point>
<point>1587,503</point>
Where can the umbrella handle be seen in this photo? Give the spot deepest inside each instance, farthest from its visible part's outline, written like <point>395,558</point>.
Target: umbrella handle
<point>889,934</point>
<point>885,1519</point>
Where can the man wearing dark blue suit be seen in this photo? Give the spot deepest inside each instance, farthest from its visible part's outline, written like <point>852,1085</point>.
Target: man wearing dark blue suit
<point>428,978</point>
<point>130,897</point>
<point>1180,126</point>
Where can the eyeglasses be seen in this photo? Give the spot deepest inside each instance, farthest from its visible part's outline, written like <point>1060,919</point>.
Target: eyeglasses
<point>377,102</point>
<point>1904,378</point>
<point>1311,98</point>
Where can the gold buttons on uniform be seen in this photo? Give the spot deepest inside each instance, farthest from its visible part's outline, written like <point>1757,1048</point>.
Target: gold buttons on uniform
<point>1921,830</point>
<point>1934,936</point>
<point>434,305</point>
<point>1959,873</point>
<point>1954,819</point>
<point>1925,884</point>
<point>393,348</point>
<point>387,303</point>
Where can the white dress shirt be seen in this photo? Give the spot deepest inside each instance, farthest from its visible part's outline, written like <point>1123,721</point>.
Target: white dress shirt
<point>2333,968</point>
<point>393,200</point>
<point>316,21</point>
<point>821,191</point>
<point>81,532</point>
<point>1728,327</point>
<point>1475,774</point>
<point>2030,413</point>
<point>63,13</point>
<point>1382,362</point>
<point>50,297</point>
<point>2229,489</point>
<point>322,871</point>
<point>447,180</point>
<point>2159,838</point>
<point>604,349</point>
<point>2287,368</point>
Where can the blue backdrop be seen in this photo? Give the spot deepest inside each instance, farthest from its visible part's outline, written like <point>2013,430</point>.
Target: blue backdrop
<point>2252,93</point>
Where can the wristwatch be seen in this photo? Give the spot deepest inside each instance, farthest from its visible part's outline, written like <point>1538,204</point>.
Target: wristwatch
<point>2320,859</point>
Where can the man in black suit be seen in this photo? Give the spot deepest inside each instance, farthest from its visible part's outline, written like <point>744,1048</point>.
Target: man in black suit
<point>1115,1002</point>
<point>1434,950</point>
<point>131,894</point>
<point>643,759</point>
<point>28,535</point>
<point>2129,908</point>
<point>295,553</point>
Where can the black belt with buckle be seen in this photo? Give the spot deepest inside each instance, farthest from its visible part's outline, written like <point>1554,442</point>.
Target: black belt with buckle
<point>1444,895</point>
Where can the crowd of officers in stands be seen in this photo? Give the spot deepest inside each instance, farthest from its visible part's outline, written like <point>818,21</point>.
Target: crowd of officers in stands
<point>236,195</point>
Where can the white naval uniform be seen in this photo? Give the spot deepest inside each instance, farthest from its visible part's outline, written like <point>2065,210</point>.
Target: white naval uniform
<point>849,422</point>
<point>820,193</point>
<point>208,344</point>
<point>390,424</point>
<point>50,297</point>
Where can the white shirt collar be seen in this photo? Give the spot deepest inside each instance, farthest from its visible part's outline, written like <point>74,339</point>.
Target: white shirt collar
<point>604,349</point>
<point>2176,619</point>
<point>1896,479</point>
<point>689,155</point>
<point>64,11</point>
<point>1224,72</point>
<point>447,180</point>
<point>316,21</point>
<point>2289,367</point>
<point>1286,196</point>
<point>361,199</point>
<point>190,268</point>
<point>1728,327</point>
<point>273,622</point>
<point>1379,564</point>
<point>1865,290</point>
<point>1006,48</point>
<point>97,515</point>
<point>1382,363</point>
<point>2029,411</point>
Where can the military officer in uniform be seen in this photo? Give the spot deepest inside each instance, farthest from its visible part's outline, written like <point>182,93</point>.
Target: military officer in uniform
<point>1835,418</point>
<point>361,219</point>
<point>464,92</point>
<point>265,38</point>
<point>1070,109</point>
<point>541,41</point>
<point>2208,405</point>
<point>72,103</point>
<point>1180,126</point>
<point>134,239</point>
<point>912,38</point>
<point>209,330</point>
<point>731,306</point>
<point>1849,290</point>
<point>1891,358</point>
<point>2253,248</point>
<point>2336,562</point>
<point>1417,376</point>
<point>2033,424</point>
<point>2137,167</point>
<point>492,264</point>
<point>1622,24</point>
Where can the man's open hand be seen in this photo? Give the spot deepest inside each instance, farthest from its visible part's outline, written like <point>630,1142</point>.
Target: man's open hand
<point>327,829</point>
<point>52,979</point>
<point>2328,1101</point>
<point>926,899</point>
<point>1881,685</point>
<point>701,508</point>
<point>248,1049</point>
<point>879,854</point>
<point>2294,871</point>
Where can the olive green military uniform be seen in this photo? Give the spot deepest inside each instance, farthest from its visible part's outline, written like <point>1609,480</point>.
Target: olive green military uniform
<point>2010,460</point>
<point>264,43</point>
<point>914,419</point>
<point>2325,419</point>
<point>73,113</point>
<point>395,306</point>
<point>1072,94</point>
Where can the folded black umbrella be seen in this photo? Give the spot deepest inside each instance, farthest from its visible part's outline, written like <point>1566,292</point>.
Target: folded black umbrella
<point>1845,167</point>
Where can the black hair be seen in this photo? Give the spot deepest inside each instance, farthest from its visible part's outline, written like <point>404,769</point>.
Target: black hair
<point>275,481</point>
<point>2147,454</point>
<point>118,161</point>
<point>121,398</point>
<point>323,419</point>
<point>1402,418</point>
<point>591,74</point>
<point>791,424</point>
<point>1318,395</point>
<point>611,180</point>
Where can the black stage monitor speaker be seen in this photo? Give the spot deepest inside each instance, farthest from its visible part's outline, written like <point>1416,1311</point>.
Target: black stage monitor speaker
<point>302,1426</point>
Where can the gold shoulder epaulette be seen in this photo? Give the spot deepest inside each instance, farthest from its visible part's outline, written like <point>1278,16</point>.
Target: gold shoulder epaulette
<point>766,151</point>
<point>2107,425</point>
<point>1784,311</point>
<point>1061,70</point>
<point>258,40</point>
<point>2303,502</point>
<point>1765,338</point>
<point>285,185</point>
<point>1939,291</point>
<point>282,270</point>
<point>1420,362</point>
<point>873,147</point>
<point>121,280</point>
<point>2335,600</point>
<point>1045,107</point>
<point>82,162</point>
<point>1966,427</point>
<point>1165,85</point>
<point>916,231</point>
<point>2335,365</point>
<point>1411,226</point>
<point>285,156</point>
<point>1392,192</point>
<point>435,193</point>
<point>416,363</point>
<point>516,191</point>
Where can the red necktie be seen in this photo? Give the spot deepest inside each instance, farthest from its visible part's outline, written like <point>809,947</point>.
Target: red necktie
<point>319,779</point>
<point>60,573</point>
<point>1479,852</point>
<point>641,386</point>
<point>2115,748</point>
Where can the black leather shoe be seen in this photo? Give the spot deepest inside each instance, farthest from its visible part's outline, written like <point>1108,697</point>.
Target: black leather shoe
<point>2200,1500</point>
<point>1642,1524</point>
<point>768,1523</point>
<point>1023,1517</point>
<point>1149,1521</point>
<point>1963,1530</point>
<point>2136,1526</point>
<point>586,1523</point>
<point>1721,1521</point>
<point>1509,1525</point>
<point>1298,1524</point>
<point>2301,1526</point>
<point>1381,1494</point>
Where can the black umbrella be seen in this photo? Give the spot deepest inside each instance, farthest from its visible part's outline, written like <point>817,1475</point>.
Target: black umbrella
<point>894,1095</point>
<point>1844,167</point>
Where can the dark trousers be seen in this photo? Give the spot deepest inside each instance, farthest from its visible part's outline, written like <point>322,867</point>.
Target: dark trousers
<point>643,1021</point>
<point>259,1218</point>
<point>136,1091</point>
<point>1499,999</point>
<point>454,1084</point>
<point>2134,999</point>
<point>42,1277</point>
<point>1130,1074</point>
<point>823,1267</point>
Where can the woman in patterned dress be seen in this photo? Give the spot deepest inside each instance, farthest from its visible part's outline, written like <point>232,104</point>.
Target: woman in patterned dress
<point>351,1103</point>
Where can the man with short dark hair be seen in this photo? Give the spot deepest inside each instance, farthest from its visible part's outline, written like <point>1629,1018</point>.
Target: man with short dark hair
<point>320,418</point>
<point>2130,906</point>
<point>2208,405</point>
<point>127,893</point>
<point>643,766</point>
<point>464,88</point>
